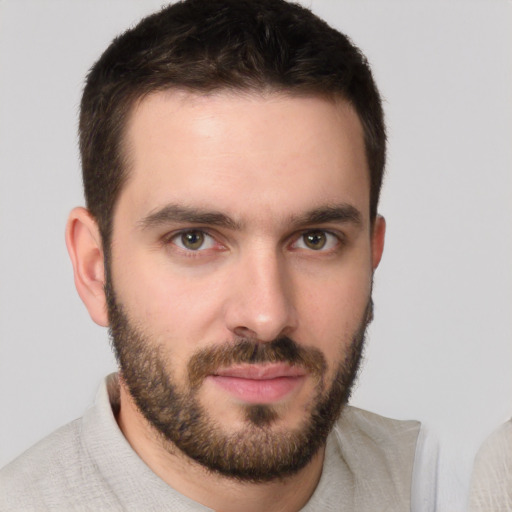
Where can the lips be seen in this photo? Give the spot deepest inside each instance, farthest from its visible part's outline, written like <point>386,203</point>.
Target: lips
<point>259,383</point>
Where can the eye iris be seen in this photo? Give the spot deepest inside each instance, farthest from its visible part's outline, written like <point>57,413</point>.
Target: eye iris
<point>192,239</point>
<point>315,240</point>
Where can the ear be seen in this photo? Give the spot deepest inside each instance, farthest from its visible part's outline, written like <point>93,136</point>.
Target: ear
<point>378,235</point>
<point>85,249</point>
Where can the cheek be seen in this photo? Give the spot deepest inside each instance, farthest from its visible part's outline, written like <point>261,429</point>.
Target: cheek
<point>332,313</point>
<point>171,304</point>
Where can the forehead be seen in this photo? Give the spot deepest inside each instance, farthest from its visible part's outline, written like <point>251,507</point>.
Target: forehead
<point>240,152</point>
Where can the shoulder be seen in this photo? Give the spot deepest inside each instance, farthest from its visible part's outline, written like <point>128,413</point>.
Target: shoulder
<point>379,450</point>
<point>375,443</point>
<point>60,449</point>
<point>378,431</point>
<point>498,445</point>
<point>491,481</point>
<point>53,464</point>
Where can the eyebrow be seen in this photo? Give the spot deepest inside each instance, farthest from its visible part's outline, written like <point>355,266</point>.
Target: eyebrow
<point>342,213</point>
<point>178,213</point>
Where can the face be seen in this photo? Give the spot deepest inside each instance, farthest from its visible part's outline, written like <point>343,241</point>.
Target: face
<point>240,276</point>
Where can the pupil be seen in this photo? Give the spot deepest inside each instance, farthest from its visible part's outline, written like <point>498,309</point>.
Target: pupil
<point>315,240</point>
<point>193,239</point>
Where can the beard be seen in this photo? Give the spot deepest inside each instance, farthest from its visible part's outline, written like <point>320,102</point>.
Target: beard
<point>258,453</point>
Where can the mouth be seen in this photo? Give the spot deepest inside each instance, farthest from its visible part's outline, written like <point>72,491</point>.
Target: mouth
<point>259,384</point>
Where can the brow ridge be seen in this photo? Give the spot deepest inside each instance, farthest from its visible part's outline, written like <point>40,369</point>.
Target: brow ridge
<point>180,213</point>
<point>343,212</point>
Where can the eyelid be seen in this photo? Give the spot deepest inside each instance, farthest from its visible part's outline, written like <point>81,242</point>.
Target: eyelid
<point>339,239</point>
<point>170,239</point>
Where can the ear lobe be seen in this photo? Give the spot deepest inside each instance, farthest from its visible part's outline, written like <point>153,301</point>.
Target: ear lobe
<point>378,236</point>
<point>85,249</point>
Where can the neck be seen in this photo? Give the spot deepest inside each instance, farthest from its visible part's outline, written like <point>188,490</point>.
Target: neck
<point>211,489</point>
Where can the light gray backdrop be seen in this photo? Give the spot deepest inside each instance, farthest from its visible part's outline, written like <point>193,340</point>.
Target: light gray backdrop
<point>440,348</point>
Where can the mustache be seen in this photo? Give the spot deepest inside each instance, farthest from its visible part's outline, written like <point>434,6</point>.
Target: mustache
<point>282,350</point>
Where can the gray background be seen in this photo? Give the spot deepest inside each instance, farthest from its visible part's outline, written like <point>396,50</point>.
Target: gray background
<point>440,348</point>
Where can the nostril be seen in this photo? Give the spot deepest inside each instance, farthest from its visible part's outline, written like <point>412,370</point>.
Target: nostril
<point>244,332</point>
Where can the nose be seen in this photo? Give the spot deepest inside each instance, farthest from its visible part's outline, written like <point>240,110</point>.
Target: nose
<point>261,302</point>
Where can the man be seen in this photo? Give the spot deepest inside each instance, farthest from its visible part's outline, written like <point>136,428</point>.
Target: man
<point>232,156</point>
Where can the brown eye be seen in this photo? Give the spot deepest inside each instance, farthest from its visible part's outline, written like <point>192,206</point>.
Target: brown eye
<point>192,240</point>
<point>315,240</point>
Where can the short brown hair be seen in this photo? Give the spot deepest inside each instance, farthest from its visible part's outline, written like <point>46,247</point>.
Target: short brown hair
<point>207,45</point>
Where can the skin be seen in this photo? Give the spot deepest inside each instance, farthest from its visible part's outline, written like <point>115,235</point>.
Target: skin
<point>265,162</point>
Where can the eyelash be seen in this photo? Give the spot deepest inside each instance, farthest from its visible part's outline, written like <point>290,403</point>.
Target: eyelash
<point>172,237</point>
<point>330,239</point>
<point>171,240</point>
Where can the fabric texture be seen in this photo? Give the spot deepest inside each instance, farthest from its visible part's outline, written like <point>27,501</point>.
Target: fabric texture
<point>88,465</point>
<point>491,482</point>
